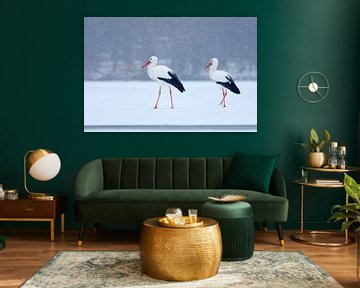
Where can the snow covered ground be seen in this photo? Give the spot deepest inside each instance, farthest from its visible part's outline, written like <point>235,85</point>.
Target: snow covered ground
<point>118,106</point>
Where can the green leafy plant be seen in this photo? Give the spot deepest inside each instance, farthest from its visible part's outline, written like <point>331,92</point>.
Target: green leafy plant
<point>314,144</point>
<point>349,214</point>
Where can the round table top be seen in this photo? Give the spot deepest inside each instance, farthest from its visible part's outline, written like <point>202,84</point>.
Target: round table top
<point>154,222</point>
<point>337,170</point>
<point>314,184</point>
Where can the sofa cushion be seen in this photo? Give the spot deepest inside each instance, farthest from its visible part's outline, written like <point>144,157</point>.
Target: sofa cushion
<point>266,207</point>
<point>164,173</point>
<point>251,172</point>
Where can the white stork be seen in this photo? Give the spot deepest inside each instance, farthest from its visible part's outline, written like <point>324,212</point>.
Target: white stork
<point>221,78</point>
<point>164,75</point>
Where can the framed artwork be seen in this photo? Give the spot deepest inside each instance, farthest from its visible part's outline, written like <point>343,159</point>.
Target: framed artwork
<point>170,74</point>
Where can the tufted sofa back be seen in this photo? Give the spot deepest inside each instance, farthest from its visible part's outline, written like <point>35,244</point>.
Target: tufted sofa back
<point>164,173</point>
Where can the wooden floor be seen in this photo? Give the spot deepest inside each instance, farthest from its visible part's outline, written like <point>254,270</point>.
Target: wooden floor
<point>28,250</point>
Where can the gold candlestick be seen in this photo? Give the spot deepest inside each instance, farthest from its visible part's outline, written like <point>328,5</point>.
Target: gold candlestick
<point>342,154</point>
<point>333,151</point>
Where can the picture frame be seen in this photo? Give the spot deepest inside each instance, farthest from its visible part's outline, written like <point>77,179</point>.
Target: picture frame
<point>175,94</point>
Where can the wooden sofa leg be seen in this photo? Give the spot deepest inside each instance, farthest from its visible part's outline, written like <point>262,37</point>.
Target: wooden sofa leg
<point>81,233</point>
<point>280,233</point>
<point>265,227</point>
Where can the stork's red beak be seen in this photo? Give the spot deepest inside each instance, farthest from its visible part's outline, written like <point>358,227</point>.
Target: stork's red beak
<point>208,66</point>
<point>145,64</point>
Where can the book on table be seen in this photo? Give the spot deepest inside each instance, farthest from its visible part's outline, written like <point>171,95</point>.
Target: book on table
<point>327,181</point>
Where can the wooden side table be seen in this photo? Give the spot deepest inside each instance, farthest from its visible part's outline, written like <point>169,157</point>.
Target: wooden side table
<point>26,209</point>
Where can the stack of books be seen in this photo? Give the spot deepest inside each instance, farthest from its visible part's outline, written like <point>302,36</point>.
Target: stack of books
<point>327,181</point>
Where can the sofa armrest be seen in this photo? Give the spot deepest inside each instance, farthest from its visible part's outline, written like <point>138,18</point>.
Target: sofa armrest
<point>89,179</point>
<point>277,184</point>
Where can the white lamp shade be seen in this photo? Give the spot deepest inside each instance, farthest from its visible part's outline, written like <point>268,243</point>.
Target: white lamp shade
<point>46,168</point>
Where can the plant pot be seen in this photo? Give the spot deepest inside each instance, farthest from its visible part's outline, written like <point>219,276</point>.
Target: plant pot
<point>317,159</point>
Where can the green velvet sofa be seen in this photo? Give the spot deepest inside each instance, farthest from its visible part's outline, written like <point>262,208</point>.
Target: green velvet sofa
<point>130,190</point>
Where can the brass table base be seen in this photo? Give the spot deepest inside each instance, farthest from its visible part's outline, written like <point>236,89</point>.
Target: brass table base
<point>295,237</point>
<point>180,254</point>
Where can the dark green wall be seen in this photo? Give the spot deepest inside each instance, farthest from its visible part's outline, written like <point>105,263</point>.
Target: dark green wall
<point>42,88</point>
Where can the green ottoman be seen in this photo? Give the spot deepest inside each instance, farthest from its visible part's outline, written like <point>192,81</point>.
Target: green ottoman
<point>236,221</point>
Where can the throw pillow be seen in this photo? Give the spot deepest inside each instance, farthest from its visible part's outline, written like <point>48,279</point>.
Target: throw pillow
<point>251,172</point>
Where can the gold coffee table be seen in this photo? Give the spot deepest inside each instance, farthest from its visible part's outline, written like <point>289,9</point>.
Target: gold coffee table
<point>180,254</point>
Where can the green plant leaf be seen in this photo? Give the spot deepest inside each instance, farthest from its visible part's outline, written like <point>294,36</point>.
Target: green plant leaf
<point>346,225</point>
<point>337,216</point>
<point>313,145</point>
<point>326,136</point>
<point>321,146</point>
<point>352,188</point>
<point>349,213</point>
<point>306,146</point>
<point>311,141</point>
<point>314,136</point>
<point>352,207</point>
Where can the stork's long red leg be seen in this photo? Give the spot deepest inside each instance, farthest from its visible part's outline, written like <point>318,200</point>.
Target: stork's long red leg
<point>222,100</point>
<point>223,94</point>
<point>225,97</point>
<point>172,104</point>
<point>157,101</point>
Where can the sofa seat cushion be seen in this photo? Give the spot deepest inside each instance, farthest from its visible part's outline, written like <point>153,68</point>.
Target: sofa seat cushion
<point>166,195</point>
<point>266,207</point>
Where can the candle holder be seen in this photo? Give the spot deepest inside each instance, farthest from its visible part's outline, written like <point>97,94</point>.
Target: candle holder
<point>333,149</point>
<point>342,153</point>
<point>304,176</point>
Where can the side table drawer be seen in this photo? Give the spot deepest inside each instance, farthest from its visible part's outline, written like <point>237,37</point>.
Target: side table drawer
<point>27,209</point>
<point>31,209</point>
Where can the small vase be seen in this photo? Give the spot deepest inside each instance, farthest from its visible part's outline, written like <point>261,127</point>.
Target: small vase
<point>317,159</point>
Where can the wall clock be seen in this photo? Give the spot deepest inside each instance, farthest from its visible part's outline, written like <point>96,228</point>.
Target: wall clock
<point>313,87</point>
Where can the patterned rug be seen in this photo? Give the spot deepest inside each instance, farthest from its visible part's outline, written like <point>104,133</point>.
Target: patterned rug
<point>122,269</point>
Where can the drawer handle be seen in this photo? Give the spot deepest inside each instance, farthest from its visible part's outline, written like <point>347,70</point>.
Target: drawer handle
<point>29,209</point>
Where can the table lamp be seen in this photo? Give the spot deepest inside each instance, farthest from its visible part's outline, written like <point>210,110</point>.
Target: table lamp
<point>43,165</point>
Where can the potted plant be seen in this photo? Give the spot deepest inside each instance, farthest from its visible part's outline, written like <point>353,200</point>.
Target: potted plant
<point>350,213</point>
<point>317,157</point>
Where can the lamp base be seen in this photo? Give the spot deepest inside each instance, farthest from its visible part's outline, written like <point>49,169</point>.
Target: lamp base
<point>41,196</point>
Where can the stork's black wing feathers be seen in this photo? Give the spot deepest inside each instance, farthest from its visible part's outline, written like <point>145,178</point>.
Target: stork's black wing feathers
<point>230,85</point>
<point>173,80</point>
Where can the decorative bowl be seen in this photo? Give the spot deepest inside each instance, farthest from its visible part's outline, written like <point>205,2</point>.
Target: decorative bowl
<point>228,198</point>
<point>188,224</point>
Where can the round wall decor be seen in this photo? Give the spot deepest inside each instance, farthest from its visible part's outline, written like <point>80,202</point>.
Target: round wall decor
<point>313,87</point>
